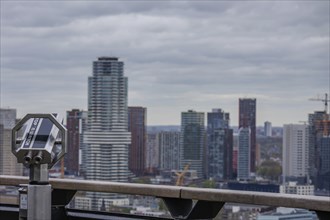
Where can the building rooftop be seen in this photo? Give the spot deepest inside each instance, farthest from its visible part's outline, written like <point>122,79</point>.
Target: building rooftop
<point>108,58</point>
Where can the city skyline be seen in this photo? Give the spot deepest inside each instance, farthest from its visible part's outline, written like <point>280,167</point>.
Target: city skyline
<point>178,56</point>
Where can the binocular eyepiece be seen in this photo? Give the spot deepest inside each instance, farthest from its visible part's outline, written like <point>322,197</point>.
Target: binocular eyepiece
<point>38,158</point>
<point>29,158</point>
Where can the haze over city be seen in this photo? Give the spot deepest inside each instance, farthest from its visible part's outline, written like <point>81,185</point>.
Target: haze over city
<point>178,55</point>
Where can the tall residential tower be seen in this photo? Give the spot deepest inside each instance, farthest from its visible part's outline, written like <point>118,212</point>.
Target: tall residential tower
<point>247,119</point>
<point>137,125</point>
<point>192,150</point>
<point>107,137</point>
<point>76,125</point>
<point>219,145</point>
<point>295,150</point>
<point>169,150</point>
<point>319,149</point>
<point>243,155</point>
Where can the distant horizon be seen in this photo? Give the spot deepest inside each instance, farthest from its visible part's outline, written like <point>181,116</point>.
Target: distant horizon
<point>21,115</point>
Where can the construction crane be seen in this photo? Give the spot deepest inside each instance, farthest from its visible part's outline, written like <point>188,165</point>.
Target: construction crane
<point>325,120</point>
<point>325,100</point>
<point>180,175</point>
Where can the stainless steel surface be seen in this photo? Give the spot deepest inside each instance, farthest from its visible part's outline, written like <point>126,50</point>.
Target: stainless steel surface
<point>39,202</point>
<point>39,173</point>
<point>44,155</point>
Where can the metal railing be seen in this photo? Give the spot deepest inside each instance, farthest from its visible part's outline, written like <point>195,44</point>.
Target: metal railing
<point>179,199</point>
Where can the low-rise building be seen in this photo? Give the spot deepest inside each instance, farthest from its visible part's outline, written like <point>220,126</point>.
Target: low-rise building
<point>288,213</point>
<point>294,188</point>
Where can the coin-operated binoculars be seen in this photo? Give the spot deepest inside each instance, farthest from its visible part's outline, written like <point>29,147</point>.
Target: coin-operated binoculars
<point>38,141</point>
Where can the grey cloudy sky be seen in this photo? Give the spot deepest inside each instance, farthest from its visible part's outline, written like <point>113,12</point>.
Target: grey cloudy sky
<point>178,55</point>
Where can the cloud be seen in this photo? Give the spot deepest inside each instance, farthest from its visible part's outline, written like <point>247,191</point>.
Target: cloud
<point>177,55</point>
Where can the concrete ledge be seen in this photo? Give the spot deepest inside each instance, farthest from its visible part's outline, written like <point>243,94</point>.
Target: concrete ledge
<point>316,203</point>
<point>115,187</point>
<point>101,186</point>
<point>258,198</point>
<point>13,180</point>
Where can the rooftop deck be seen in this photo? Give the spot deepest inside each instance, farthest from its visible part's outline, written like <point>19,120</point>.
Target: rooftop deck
<point>179,199</point>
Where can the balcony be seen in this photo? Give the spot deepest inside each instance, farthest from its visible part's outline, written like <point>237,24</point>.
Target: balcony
<point>182,202</point>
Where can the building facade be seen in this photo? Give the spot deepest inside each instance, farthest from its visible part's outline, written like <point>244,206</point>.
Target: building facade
<point>247,119</point>
<point>219,145</point>
<point>295,188</point>
<point>282,213</point>
<point>235,160</point>
<point>268,129</point>
<point>244,151</point>
<point>152,153</point>
<point>169,150</point>
<point>8,162</point>
<point>107,138</point>
<point>295,150</point>
<point>319,147</point>
<point>137,122</point>
<point>323,176</point>
<point>192,140</point>
<point>76,125</point>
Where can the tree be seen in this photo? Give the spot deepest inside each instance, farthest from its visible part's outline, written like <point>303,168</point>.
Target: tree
<point>270,169</point>
<point>142,180</point>
<point>209,184</point>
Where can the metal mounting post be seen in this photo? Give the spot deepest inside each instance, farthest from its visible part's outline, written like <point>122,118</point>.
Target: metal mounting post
<point>39,202</point>
<point>35,143</point>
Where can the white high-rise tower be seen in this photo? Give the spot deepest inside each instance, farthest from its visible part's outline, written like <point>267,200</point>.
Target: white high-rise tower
<point>295,150</point>
<point>107,138</point>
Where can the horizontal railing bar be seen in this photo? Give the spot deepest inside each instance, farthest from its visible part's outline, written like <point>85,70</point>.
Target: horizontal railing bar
<point>116,187</point>
<point>101,186</point>
<point>317,203</point>
<point>321,203</point>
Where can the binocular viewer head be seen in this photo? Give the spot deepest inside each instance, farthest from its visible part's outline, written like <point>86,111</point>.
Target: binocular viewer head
<point>39,139</point>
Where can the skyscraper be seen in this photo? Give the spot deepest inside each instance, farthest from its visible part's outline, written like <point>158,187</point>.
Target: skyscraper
<point>235,159</point>
<point>247,119</point>
<point>244,151</point>
<point>137,120</point>
<point>152,153</point>
<point>76,125</point>
<point>268,129</point>
<point>323,177</point>
<point>169,150</point>
<point>107,137</point>
<point>192,150</point>
<point>8,162</point>
<point>319,148</point>
<point>295,150</point>
<point>219,145</point>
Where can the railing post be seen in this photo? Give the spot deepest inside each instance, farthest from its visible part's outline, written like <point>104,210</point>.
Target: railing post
<point>185,209</point>
<point>323,215</point>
